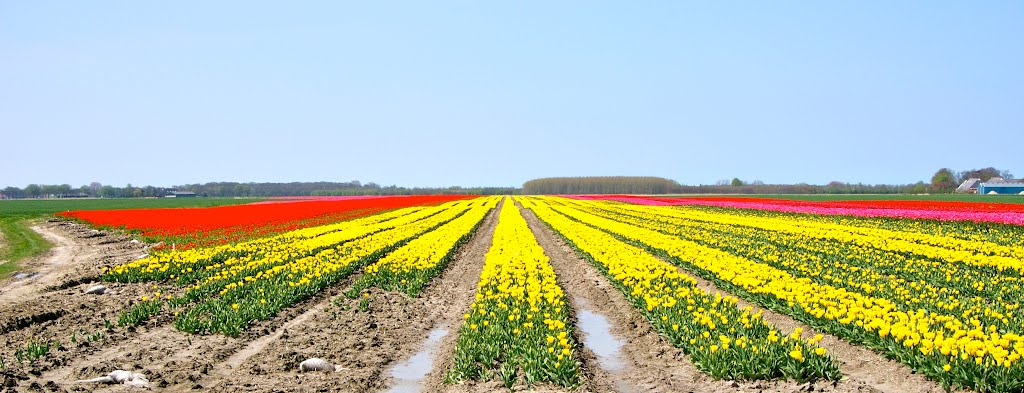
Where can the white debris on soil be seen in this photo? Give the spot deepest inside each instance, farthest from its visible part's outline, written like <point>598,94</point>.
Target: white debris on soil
<point>143,256</point>
<point>317,364</point>
<point>96,290</point>
<point>122,377</point>
<point>135,241</point>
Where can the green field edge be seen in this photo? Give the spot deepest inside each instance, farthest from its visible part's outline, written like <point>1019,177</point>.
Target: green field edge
<point>19,242</point>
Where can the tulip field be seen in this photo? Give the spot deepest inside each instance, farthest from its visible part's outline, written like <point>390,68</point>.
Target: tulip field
<point>190,227</point>
<point>935,287</point>
<point>724,341</point>
<point>943,301</point>
<point>222,289</point>
<point>519,321</point>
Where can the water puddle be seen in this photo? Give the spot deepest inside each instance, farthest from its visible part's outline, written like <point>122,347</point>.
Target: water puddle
<point>598,337</point>
<point>409,374</point>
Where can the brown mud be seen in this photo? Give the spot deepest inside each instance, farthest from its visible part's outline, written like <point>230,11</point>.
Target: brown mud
<point>78,255</point>
<point>49,309</point>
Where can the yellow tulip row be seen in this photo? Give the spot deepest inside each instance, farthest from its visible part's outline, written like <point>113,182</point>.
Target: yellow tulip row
<point>374,238</point>
<point>518,322</point>
<point>163,261</point>
<point>194,264</point>
<point>940,247</point>
<point>328,260</point>
<point>955,349</point>
<point>224,296</point>
<point>724,340</point>
<point>909,280</point>
<point>412,266</point>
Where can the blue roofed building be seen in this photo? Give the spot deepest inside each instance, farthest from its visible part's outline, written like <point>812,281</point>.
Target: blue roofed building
<point>999,186</point>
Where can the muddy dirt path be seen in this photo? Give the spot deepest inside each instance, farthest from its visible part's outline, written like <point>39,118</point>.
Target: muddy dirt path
<point>167,357</point>
<point>176,360</point>
<point>226,368</point>
<point>72,250</point>
<point>50,309</point>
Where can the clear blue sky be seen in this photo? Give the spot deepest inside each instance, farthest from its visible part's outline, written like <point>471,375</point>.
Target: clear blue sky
<point>480,93</point>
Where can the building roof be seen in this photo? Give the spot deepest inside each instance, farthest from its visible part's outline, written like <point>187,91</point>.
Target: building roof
<point>969,184</point>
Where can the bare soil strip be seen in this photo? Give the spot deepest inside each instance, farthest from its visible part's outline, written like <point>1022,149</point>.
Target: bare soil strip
<point>164,355</point>
<point>256,346</point>
<point>49,307</point>
<point>177,360</point>
<point>77,252</point>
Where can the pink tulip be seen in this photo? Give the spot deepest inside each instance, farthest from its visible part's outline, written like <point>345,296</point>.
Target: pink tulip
<point>803,207</point>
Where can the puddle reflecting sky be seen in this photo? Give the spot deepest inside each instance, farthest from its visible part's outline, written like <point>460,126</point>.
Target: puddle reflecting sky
<point>409,374</point>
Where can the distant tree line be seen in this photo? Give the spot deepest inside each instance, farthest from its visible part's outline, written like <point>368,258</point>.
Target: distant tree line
<point>93,190</point>
<point>395,190</point>
<point>601,185</point>
<point>943,182</point>
<point>234,189</point>
<point>835,187</point>
<point>657,185</point>
<point>352,188</point>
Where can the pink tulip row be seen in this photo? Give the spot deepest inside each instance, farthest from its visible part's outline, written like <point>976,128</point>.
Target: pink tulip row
<point>1014,218</point>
